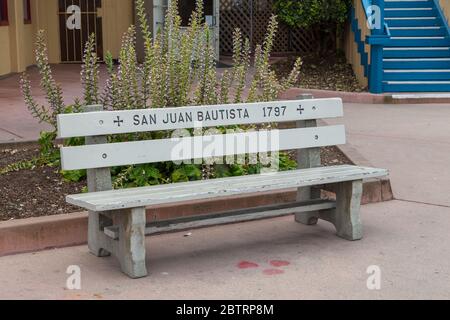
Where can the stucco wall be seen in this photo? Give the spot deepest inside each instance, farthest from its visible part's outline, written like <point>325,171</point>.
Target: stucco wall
<point>18,38</point>
<point>5,57</point>
<point>445,5</point>
<point>29,36</point>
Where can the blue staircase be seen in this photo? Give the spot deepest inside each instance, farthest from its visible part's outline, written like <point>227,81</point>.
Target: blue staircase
<point>417,56</point>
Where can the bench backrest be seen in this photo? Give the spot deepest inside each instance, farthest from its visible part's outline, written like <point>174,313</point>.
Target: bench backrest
<point>97,124</point>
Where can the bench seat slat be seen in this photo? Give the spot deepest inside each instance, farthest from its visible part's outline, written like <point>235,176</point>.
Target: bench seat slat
<point>169,190</point>
<point>146,196</point>
<point>198,147</point>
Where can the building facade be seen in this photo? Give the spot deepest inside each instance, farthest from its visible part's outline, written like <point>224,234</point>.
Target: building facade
<point>67,24</point>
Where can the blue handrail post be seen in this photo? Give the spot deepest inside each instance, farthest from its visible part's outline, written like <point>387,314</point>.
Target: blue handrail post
<point>376,49</point>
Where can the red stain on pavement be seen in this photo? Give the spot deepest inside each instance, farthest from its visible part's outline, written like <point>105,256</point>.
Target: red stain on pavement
<point>279,263</point>
<point>272,272</point>
<point>247,265</point>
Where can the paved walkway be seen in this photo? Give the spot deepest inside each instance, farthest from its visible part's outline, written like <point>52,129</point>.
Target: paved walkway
<point>413,141</point>
<point>16,122</point>
<point>409,242</point>
<point>407,238</point>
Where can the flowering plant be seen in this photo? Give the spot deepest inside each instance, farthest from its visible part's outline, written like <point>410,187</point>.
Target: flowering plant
<point>179,69</point>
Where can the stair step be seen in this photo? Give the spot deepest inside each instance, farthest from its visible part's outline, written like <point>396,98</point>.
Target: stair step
<point>416,86</point>
<point>410,12</point>
<point>408,3</point>
<point>416,63</point>
<point>418,31</point>
<point>416,74</point>
<point>421,96</point>
<point>417,58</point>
<point>416,52</point>
<point>419,42</point>
<point>414,22</point>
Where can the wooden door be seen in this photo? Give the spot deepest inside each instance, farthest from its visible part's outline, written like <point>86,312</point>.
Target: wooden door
<point>77,20</point>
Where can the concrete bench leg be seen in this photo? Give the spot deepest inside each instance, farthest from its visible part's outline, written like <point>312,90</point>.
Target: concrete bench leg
<point>96,237</point>
<point>307,218</point>
<point>131,242</point>
<point>346,217</point>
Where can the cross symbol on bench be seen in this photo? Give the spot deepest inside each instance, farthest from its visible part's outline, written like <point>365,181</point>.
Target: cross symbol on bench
<point>118,121</point>
<point>300,109</point>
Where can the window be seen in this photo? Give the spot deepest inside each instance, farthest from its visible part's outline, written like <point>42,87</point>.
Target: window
<point>3,12</point>
<point>26,11</point>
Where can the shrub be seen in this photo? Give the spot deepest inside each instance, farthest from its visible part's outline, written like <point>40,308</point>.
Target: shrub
<point>318,16</point>
<point>179,69</point>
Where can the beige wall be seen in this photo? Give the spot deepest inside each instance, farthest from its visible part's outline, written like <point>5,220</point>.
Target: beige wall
<point>5,57</point>
<point>17,39</point>
<point>47,19</point>
<point>28,37</point>
<point>117,16</point>
<point>445,5</point>
<point>350,46</point>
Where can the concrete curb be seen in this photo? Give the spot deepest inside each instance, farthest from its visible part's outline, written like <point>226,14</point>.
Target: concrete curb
<point>347,97</point>
<point>34,234</point>
<point>374,190</point>
<point>369,98</point>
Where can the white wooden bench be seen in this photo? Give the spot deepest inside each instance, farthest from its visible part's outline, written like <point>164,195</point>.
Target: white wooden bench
<point>117,218</point>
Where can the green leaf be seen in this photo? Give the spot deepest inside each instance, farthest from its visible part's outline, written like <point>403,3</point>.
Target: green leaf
<point>222,171</point>
<point>74,175</point>
<point>254,169</point>
<point>179,175</point>
<point>186,173</point>
<point>237,170</point>
<point>193,172</point>
<point>286,163</point>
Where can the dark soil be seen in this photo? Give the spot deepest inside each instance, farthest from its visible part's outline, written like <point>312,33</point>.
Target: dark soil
<point>332,156</point>
<point>326,73</point>
<point>41,191</point>
<point>32,193</point>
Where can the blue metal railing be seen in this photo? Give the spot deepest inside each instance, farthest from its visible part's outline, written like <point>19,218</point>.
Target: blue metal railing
<point>378,38</point>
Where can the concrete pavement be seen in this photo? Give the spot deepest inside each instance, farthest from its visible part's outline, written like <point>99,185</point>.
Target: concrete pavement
<point>412,141</point>
<point>407,241</point>
<point>16,122</point>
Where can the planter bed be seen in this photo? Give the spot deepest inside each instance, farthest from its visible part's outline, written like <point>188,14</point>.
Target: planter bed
<point>41,191</point>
